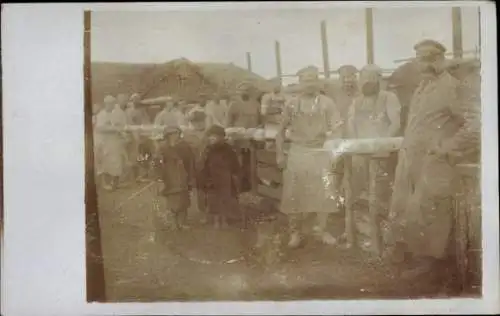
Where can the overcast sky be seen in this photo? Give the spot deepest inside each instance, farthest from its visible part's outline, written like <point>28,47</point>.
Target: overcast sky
<point>143,37</point>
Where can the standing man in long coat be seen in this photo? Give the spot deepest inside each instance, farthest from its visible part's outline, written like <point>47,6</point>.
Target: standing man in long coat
<point>442,124</point>
<point>311,118</point>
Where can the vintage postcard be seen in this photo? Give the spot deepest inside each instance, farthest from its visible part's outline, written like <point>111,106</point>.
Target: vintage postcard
<point>284,154</point>
<point>254,158</point>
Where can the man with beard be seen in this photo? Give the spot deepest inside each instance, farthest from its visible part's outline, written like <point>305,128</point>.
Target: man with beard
<point>344,94</point>
<point>442,126</point>
<point>374,114</point>
<point>311,118</point>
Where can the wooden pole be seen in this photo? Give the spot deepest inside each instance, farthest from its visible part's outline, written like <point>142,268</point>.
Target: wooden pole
<point>370,56</point>
<point>456,18</point>
<point>249,61</point>
<point>96,289</point>
<point>479,29</point>
<point>277,51</point>
<point>324,45</point>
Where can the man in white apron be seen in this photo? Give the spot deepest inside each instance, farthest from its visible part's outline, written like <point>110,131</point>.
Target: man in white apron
<point>308,187</point>
<point>216,111</point>
<point>111,155</point>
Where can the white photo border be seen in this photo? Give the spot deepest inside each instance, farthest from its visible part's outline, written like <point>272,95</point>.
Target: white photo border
<point>43,245</point>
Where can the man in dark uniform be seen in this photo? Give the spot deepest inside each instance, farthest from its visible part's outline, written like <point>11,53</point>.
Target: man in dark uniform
<point>443,124</point>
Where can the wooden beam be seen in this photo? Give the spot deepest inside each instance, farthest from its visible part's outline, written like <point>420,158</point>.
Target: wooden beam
<point>479,30</point>
<point>456,18</point>
<point>96,290</point>
<point>277,51</point>
<point>249,61</point>
<point>324,46</point>
<point>370,55</point>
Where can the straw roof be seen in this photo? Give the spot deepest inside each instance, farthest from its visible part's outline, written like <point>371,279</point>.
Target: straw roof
<point>180,78</point>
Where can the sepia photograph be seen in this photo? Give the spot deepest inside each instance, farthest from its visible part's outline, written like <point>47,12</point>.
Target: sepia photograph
<point>283,154</point>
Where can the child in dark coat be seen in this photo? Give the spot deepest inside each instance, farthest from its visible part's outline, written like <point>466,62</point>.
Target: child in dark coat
<point>220,176</point>
<point>177,174</point>
<point>195,136</point>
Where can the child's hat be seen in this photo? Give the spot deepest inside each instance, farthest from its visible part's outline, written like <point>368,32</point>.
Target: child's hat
<point>216,130</point>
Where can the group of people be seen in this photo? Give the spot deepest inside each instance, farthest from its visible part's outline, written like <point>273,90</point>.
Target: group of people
<point>440,126</point>
<point>189,152</point>
<point>442,129</point>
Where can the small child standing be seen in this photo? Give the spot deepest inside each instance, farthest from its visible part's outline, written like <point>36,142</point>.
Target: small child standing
<point>177,174</point>
<point>220,176</point>
<point>195,137</point>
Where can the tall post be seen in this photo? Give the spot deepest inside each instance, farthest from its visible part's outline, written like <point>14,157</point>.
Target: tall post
<point>479,28</point>
<point>249,62</point>
<point>324,45</point>
<point>456,18</point>
<point>370,55</point>
<point>277,52</point>
<point>96,288</point>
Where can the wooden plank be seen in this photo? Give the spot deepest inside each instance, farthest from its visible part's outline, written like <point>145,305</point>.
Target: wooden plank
<point>270,173</point>
<point>324,46</point>
<point>273,193</point>
<point>277,51</point>
<point>96,285</point>
<point>370,55</point>
<point>456,18</point>
<point>249,61</point>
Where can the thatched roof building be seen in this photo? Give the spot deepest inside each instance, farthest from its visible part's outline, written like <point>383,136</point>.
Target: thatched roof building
<point>180,78</point>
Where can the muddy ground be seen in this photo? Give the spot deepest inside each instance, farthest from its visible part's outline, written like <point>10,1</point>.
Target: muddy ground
<point>201,263</point>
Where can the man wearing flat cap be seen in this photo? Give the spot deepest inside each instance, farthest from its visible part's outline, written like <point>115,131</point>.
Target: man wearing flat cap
<point>311,118</point>
<point>441,128</point>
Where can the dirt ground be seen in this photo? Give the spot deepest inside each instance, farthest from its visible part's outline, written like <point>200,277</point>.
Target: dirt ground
<point>201,263</point>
